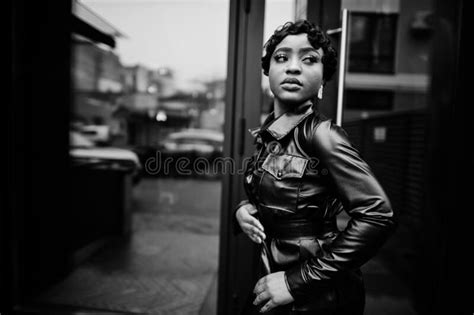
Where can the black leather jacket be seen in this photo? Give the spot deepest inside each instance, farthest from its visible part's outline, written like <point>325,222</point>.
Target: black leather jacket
<point>302,174</point>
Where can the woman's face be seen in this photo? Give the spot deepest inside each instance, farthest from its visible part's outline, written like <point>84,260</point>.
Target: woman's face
<point>296,70</point>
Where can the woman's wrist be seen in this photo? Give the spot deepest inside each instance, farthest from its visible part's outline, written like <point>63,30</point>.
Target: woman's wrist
<point>236,222</point>
<point>239,206</point>
<point>242,203</point>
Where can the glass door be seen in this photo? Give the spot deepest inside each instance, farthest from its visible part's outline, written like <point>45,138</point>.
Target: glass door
<point>146,135</point>
<point>382,104</point>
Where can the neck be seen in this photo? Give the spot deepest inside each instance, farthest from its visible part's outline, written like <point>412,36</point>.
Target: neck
<point>281,108</point>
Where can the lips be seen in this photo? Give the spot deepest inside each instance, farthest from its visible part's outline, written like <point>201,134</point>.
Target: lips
<point>292,81</point>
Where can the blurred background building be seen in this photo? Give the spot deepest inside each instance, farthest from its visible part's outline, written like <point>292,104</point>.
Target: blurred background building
<point>133,105</point>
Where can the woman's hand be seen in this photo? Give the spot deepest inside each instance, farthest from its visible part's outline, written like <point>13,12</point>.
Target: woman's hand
<point>272,289</point>
<point>249,224</point>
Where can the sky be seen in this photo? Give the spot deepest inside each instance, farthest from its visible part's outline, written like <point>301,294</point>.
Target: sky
<point>188,36</point>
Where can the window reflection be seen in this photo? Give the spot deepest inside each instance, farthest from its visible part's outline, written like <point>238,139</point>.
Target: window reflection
<point>130,99</point>
<point>385,102</point>
<point>387,60</point>
<point>372,42</point>
<point>147,102</point>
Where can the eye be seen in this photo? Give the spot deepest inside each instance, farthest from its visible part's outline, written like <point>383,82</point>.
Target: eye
<point>310,59</point>
<point>280,58</point>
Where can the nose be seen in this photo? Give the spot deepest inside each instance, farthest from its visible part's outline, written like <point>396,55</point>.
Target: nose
<point>294,66</point>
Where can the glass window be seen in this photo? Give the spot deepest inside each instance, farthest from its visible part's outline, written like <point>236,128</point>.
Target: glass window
<point>384,114</point>
<point>369,100</point>
<point>148,87</point>
<point>372,42</point>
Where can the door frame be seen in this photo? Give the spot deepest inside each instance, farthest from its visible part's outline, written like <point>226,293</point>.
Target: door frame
<point>243,98</point>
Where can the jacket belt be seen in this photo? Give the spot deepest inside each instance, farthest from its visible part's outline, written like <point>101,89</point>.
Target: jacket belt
<point>298,228</point>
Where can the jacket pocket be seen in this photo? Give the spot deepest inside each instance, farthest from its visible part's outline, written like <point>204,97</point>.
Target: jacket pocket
<point>281,181</point>
<point>285,166</point>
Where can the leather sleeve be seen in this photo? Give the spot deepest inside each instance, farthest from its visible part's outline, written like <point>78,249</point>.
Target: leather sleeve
<point>372,219</point>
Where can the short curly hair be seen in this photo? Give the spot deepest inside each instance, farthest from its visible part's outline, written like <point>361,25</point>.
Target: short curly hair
<point>316,37</point>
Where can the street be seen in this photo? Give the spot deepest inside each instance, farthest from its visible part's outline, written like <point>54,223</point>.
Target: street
<point>168,264</point>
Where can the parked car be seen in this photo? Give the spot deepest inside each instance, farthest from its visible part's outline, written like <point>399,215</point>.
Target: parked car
<point>84,152</point>
<point>200,142</point>
<point>98,134</point>
<point>188,145</point>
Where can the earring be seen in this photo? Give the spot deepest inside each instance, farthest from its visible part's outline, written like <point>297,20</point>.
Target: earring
<point>320,92</point>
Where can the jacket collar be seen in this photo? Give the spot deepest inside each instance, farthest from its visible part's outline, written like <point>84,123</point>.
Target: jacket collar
<point>282,125</point>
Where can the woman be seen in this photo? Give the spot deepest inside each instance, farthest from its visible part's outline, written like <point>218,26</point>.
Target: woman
<point>302,174</point>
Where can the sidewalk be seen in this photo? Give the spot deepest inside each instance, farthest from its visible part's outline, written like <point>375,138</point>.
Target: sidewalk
<point>168,265</point>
